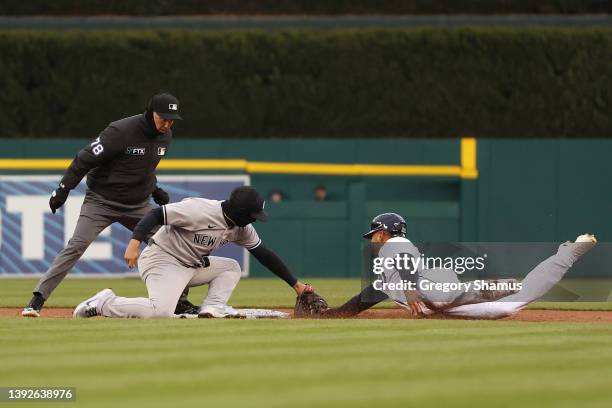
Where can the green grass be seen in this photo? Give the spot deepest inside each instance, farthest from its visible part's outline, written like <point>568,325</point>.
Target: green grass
<point>299,363</point>
<point>355,363</point>
<point>250,292</point>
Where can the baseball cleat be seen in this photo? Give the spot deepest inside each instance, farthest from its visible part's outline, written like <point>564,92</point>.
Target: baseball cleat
<point>90,307</point>
<point>34,307</point>
<point>30,312</point>
<point>185,316</point>
<point>583,244</point>
<point>586,238</point>
<point>219,312</point>
<point>184,307</point>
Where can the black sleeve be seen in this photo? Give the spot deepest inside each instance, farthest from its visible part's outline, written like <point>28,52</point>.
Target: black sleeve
<point>366,299</point>
<point>271,261</point>
<point>105,148</point>
<point>153,218</point>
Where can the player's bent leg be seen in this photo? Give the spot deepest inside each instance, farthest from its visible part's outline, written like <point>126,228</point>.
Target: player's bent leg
<point>222,276</point>
<point>537,283</point>
<point>165,279</point>
<point>549,272</point>
<point>130,220</point>
<point>504,287</point>
<point>128,307</point>
<point>472,297</point>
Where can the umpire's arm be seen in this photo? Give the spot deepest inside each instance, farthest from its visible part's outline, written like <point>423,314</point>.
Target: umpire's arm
<point>104,148</point>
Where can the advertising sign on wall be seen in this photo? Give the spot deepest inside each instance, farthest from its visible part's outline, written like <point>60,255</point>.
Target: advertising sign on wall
<point>31,236</point>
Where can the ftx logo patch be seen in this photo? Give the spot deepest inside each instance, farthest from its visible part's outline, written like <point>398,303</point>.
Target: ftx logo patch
<point>161,151</point>
<point>135,151</point>
<point>173,106</point>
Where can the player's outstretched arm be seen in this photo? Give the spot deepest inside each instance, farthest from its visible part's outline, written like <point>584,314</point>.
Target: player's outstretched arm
<point>275,264</point>
<point>308,303</point>
<point>364,300</point>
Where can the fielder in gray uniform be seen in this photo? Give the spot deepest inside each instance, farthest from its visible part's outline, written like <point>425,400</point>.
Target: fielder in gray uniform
<point>388,234</point>
<point>120,167</point>
<point>178,256</point>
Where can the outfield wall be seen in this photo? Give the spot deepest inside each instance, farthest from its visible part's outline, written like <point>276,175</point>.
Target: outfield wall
<point>525,190</point>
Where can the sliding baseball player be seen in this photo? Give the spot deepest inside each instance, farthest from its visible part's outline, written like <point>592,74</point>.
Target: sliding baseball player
<point>388,234</point>
<point>178,256</point>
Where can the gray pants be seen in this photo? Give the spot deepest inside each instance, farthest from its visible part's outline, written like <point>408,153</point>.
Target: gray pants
<point>97,213</point>
<point>535,285</point>
<point>165,278</point>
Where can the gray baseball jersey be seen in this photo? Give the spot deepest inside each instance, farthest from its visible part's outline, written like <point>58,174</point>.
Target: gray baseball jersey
<point>398,246</point>
<point>195,227</point>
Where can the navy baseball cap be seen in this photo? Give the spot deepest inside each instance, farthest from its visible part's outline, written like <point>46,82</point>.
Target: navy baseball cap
<point>166,106</point>
<point>247,200</point>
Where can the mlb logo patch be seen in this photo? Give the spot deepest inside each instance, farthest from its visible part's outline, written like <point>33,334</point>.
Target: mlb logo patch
<point>173,106</point>
<point>161,151</point>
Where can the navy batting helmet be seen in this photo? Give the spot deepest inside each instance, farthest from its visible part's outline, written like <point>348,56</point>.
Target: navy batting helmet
<point>393,223</point>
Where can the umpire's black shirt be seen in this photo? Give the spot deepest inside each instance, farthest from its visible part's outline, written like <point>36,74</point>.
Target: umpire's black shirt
<point>120,164</point>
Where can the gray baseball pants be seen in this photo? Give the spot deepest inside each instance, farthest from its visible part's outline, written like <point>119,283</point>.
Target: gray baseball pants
<point>166,277</point>
<point>535,285</point>
<point>97,213</point>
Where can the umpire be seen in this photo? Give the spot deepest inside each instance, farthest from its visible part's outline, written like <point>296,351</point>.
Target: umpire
<point>120,167</point>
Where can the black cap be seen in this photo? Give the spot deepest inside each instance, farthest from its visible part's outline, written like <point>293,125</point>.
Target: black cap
<point>247,200</point>
<point>165,105</point>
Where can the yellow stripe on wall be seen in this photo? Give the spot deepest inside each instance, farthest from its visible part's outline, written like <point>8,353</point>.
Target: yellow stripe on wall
<point>467,169</point>
<point>351,169</point>
<point>34,164</point>
<point>196,164</point>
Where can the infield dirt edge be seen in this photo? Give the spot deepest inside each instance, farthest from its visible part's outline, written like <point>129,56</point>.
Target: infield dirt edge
<point>560,316</point>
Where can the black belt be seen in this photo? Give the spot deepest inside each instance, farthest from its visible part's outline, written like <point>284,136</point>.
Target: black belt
<point>205,261</point>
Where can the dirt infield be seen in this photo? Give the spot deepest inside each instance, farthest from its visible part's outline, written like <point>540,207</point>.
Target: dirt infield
<point>525,315</point>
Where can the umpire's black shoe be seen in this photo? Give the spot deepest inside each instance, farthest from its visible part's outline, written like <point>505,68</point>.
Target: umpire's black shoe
<point>34,307</point>
<point>186,307</point>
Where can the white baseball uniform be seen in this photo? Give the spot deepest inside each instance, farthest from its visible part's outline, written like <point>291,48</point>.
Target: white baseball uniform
<point>178,256</point>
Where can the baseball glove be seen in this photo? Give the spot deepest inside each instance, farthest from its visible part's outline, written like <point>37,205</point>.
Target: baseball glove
<point>309,304</point>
